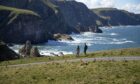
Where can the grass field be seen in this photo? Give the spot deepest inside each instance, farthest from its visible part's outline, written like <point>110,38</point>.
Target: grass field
<point>109,53</point>
<point>125,72</point>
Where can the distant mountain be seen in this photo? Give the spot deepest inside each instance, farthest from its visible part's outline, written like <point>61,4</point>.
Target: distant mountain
<point>117,17</point>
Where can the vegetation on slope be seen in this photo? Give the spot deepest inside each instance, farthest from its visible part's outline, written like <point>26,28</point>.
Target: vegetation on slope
<point>117,17</point>
<point>51,5</point>
<point>14,12</point>
<point>17,10</point>
<point>99,10</point>
<point>74,73</point>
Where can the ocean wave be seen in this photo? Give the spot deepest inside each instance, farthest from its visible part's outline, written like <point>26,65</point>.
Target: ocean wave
<point>98,40</point>
<point>55,52</point>
<point>113,34</point>
<point>108,38</point>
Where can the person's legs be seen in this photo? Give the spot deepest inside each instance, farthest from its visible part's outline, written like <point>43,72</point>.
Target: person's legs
<point>85,52</point>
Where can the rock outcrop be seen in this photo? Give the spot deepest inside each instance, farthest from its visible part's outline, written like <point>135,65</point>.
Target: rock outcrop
<point>26,49</point>
<point>6,53</point>
<point>77,15</point>
<point>35,52</point>
<point>29,51</point>
<point>62,37</point>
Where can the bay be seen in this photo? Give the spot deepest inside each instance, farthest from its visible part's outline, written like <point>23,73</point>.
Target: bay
<point>116,37</point>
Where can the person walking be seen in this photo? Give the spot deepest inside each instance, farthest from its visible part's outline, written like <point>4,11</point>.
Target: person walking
<point>85,49</point>
<point>77,51</point>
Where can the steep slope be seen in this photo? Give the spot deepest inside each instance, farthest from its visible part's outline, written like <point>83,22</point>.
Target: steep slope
<point>76,14</point>
<point>37,27</point>
<point>6,53</point>
<point>19,25</point>
<point>138,15</point>
<point>117,17</point>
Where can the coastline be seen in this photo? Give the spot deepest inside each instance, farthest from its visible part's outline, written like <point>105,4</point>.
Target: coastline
<point>128,52</point>
<point>112,38</point>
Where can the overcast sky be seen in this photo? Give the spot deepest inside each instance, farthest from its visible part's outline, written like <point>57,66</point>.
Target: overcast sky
<point>129,5</point>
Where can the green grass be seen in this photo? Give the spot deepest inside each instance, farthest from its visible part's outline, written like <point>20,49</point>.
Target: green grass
<point>108,53</point>
<point>15,12</point>
<point>117,52</point>
<point>98,11</point>
<point>73,73</point>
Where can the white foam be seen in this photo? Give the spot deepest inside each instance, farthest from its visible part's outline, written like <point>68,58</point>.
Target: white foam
<point>113,34</point>
<point>48,52</point>
<point>93,38</point>
<point>121,42</point>
<point>79,39</point>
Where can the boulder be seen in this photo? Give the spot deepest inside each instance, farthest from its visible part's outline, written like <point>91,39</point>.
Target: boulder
<point>25,50</point>
<point>35,52</point>
<point>62,37</point>
<point>6,53</point>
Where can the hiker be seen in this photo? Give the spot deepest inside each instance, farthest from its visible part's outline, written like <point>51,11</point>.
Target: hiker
<point>78,51</point>
<point>85,49</point>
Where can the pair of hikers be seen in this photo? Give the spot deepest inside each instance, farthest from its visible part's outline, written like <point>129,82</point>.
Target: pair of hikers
<point>78,50</point>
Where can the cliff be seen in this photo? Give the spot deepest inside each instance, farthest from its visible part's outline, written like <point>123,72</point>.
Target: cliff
<point>39,20</point>
<point>77,15</point>
<point>34,20</point>
<point>117,17</point>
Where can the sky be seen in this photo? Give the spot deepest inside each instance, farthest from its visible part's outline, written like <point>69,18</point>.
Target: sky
<point>129,5</point>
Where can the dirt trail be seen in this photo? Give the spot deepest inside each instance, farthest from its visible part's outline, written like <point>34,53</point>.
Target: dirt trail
<point>81,59</point>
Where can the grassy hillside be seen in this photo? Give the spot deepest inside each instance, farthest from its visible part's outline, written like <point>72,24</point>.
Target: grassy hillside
<point>98,11</point>
<point>117,17</point>
<point>15,12</point>
<point>108,53</point>
<point>74,73</point>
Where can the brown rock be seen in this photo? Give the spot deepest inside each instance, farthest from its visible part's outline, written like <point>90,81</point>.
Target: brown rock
<point>25,50</point>
<point>62,37</point>
<point>35,52</point>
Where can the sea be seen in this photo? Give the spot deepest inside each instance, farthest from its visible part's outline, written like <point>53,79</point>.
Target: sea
<point>116,37</point>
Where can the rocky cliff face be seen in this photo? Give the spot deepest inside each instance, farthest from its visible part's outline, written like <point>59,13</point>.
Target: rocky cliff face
<point>38,20</point>
<point>6,53</point>
<point>78,15</point>
<point>18,25</point>
<point>23,27</point>
<point>117,17</point>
